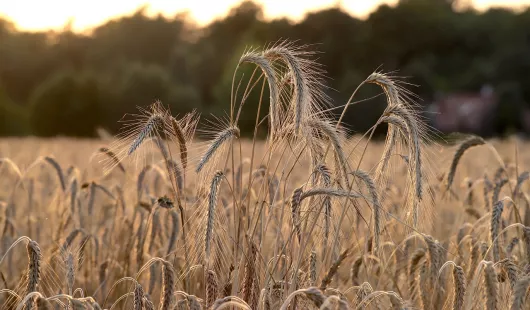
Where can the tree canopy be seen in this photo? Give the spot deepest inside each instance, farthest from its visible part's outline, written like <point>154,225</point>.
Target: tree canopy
<point>69,83</point>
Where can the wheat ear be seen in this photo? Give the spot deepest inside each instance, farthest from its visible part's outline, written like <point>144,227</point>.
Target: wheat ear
<point>330,131</point>
<point>497,190</point>
<point>138,297</point>
<point>324,172</point>
<point>520,180</point>
<point>212,203</point>
<point>462,148</point>
<point>267,68</point>
<point>57,167</point>
<point>301,92</point>
<point>70,272</point>
<point>249,273</point>
<point>526,239</point>
<point>314,294</point>
<point>333,269</point>
<point>181,138</point>
<point>295,211</point>
<point>491,284</point>
<point>174,232</point>
<point>494,228</point>
<point>376,207</point>
<point>520,290</point>
<point>460,287</point>
<point>113,158</point>
<point>355,268</point>
<point>212,288</point>
<point>220,139</point>
<point>33,277</point>
<point>414,268</point>
<point>151,125</point>
<point>168,285</point>
<point>510,268</point>
<point>312,268</point>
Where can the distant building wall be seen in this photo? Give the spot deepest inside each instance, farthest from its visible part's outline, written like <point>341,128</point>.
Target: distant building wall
<point>464,112</point>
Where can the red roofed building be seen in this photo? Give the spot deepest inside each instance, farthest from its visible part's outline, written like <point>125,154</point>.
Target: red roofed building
<point>464,112</point>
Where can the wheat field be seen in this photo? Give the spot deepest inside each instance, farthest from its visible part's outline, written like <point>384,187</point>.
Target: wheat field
<point>306,219</point>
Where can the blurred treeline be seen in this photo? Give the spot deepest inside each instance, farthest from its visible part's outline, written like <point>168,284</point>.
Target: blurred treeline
<point>65,83</point>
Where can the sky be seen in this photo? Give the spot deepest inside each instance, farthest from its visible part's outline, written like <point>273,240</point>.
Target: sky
<point>37,15</point>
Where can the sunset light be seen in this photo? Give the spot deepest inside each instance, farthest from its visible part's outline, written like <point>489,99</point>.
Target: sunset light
<point>55,14</point>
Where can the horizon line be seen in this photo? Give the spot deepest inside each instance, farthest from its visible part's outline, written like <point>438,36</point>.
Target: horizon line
<point>69,22</point>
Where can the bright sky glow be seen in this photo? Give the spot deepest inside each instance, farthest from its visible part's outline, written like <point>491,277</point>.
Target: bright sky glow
<point>55,14</point>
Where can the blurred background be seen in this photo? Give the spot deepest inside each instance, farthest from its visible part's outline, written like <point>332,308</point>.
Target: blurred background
<point>70,67</point>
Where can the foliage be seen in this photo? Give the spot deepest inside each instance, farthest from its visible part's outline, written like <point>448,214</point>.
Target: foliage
<point>13,118</point>
<point>68,103</point>
<point>436,46</point>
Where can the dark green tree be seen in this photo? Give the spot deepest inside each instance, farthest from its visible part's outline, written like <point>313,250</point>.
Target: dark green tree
<point>69,103</point>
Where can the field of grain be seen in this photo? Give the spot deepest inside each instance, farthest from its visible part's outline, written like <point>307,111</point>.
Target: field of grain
<point>307,219</point>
